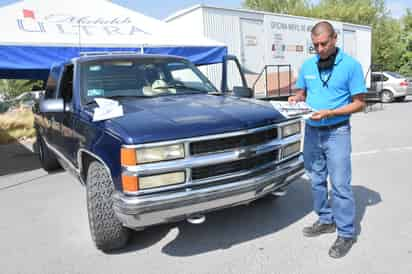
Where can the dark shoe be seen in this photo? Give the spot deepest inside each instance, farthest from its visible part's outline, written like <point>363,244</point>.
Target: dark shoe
<point>341,247</point>
<point>318,229</point>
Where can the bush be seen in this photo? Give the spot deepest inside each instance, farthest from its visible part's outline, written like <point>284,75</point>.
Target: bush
<point>4,106</point>
<point>16,125</point>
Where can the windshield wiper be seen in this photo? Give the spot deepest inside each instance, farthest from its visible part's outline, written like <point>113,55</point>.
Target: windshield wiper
<point>182,86</point>
<point>123,96</point>
<point>91,102</point>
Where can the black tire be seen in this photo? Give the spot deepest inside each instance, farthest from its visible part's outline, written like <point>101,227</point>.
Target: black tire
<point>47,159</point>
<point>386,96</point>
<point>106,230</point>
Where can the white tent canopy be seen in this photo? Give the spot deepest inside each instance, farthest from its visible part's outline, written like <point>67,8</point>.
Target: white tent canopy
<point>38,33</point>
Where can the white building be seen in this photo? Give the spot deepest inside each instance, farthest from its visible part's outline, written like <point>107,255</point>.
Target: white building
<point>261,38</point>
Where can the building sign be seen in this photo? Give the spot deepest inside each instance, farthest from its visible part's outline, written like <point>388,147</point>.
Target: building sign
<point>251,40</point>
<point>67,24</point>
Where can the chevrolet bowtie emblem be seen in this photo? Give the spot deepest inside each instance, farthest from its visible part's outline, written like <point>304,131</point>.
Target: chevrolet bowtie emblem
<point>247,153</point>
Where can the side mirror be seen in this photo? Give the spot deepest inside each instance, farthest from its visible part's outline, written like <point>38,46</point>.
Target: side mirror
<point>51,105</point>
<point>243,92</point>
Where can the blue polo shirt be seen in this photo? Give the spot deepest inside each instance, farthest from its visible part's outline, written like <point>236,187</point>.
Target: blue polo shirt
<point>346,80</point>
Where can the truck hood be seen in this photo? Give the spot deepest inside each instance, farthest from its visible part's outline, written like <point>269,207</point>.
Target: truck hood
<point>184,116</point>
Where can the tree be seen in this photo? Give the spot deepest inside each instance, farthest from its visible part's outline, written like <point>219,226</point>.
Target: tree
<point>295,7</point>
<point>387,47</point>
<point>406,38</point>
<point>362,12</point>
<point>11,87</point>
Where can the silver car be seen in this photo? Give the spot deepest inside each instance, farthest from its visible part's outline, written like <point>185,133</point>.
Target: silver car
<point>390,86</point>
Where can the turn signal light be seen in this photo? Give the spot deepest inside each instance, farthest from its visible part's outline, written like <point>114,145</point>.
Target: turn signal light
<point>128,156</point>
<point>130,183</point>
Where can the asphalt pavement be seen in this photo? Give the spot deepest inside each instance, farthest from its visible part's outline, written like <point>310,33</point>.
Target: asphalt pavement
<point>44,227</point>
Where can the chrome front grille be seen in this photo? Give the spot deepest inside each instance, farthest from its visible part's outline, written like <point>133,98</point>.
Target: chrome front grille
<point>217,145</point>
<point>235,166</point>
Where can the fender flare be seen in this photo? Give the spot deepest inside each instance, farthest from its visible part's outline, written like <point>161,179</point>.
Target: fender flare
<point>82,172</point>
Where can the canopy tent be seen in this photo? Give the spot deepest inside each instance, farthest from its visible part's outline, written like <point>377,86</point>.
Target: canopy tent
<point>38,33</point>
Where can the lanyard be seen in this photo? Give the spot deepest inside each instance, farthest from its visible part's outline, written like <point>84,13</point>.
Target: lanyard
<point>331,64</point>
<point>325,81</point>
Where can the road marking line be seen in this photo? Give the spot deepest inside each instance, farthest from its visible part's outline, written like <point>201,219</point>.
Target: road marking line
<point>394,149</point>
<point>399,149</point>
<point>366,152</point>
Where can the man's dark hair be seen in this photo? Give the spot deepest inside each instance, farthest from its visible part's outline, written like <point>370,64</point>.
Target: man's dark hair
<point>322,27</point>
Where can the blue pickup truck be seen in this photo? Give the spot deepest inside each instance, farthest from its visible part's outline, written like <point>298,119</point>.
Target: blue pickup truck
<point>179,147</point>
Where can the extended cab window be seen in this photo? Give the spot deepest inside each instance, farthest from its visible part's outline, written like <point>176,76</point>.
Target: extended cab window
<point>146,77</point>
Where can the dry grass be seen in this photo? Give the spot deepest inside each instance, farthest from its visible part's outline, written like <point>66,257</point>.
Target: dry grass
<point>16,125</point>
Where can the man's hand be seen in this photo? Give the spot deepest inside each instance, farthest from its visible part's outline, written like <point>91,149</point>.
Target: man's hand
<point>322,114</point>
<point>293,99</point>
<point>300,96</point>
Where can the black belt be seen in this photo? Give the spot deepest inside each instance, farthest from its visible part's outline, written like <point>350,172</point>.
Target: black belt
<point>330,127</point>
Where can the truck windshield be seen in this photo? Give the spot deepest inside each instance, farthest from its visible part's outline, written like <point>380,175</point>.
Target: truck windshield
<point>146,77</point>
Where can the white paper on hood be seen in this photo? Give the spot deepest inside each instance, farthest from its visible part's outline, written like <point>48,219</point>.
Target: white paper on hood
<point>290,110</point>
<point>107,109</point>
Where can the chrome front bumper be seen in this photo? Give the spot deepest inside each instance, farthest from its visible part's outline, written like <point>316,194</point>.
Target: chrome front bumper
<point>141,211</point>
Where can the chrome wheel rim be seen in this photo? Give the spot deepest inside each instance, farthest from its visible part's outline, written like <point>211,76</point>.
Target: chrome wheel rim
<point>386,96</point>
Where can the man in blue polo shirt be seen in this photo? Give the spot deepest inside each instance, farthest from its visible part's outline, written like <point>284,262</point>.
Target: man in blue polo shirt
<point>332,84</point>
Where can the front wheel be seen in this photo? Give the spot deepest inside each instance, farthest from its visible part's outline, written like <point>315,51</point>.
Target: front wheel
<point>386,96</point>
<point>106,230</point>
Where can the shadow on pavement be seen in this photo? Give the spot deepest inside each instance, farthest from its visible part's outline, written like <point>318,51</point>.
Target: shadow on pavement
<point>16,157</point>
<point>364,197</point>
<point>225,228</point>
<point>372,106</point>
<point>140,240</point>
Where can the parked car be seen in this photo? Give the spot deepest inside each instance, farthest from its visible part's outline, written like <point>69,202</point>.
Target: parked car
<point>176,149</point>
<point>390,86</point>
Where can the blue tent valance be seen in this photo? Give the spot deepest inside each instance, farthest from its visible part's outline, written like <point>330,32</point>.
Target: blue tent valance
<point>32,62</point>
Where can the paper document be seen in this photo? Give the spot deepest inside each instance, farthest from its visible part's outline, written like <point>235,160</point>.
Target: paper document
<point>289,110</point>
<point>107,109</point>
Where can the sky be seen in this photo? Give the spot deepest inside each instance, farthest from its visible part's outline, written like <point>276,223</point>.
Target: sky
<point>160,9</point>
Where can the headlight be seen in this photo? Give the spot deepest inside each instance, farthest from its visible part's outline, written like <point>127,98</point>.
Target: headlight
<point>157,154</point>
<point>290,129</point>
<point>291,149</point>
<point>161,180</point>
